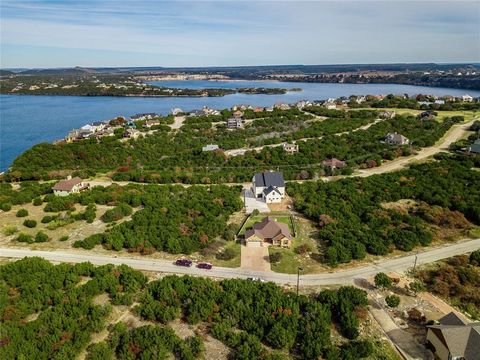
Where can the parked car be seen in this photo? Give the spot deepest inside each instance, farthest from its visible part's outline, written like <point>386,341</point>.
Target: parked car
<point>207,266</point>
<point>183,262</point>
<point>256,279</point>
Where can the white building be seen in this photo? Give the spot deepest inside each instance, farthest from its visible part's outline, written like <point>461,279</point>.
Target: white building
<point>69,186</point>
<point>269,186</point>
<point>467,98</point>
<point>210,147</point>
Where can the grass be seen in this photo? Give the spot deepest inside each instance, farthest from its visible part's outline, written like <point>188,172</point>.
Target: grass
<point>383,350</point>
<point>474,233</point>
<point>235,262</point>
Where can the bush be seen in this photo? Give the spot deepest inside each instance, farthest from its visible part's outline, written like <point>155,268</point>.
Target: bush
<point>9,230</point>
<point>25,238</point>
<point>303,249</point>
<point>117,213</point>
<point>392,301</point>
<point>6,207</point>
<point>63,238</point>
<point>382,281</point>
<point>30,223</point>
<point>255,212</point>
<point>46,219</point>
<point>227,254</point>
<point>41,237</point>
<point>275,257</point>
<point>37,201</point>
<point>22,213</point>
<point>475,258</point>
<point>416,286</point>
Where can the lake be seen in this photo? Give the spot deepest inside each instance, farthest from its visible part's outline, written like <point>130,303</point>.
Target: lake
<point>28,120</point>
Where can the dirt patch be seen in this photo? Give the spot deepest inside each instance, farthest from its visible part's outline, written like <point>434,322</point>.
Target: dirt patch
<point>403,206</point>
<point>285,205</point>
<point>255,258</point>
<point>101,299</point>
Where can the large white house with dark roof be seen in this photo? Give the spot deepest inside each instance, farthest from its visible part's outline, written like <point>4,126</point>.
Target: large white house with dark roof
<point>269,186</point>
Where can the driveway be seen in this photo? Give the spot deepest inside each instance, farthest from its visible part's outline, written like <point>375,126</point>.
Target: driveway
<point>252,203</point>
<point>255,258</point>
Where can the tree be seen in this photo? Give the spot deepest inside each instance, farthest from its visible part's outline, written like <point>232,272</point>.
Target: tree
<point>275,257</point>
<point>475,258</point>
<point>303,249</point>
<point>382,281</point>
<point>29,223</point>
<point>392,301</point>
<point>415,287</point>
<point>22,213</point>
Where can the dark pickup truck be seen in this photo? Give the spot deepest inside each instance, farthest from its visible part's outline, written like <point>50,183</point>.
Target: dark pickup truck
<point>183,262</point>
<point>207,266</point>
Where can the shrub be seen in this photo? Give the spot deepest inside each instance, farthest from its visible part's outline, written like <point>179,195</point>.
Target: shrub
<point>227,254</point>
<point>30,223</point>
<point>303,249</point>
<point>37,201</point>
<point>22,213</point>
<point>9,230</point>
<point>41,237</point>
<point>416,286</point>
<point>382,281</point>
<point>63,238</point>
<point>475,258</point>
<point>392,301</point>
<point>255,212</point>
<point>117,213</point>
<point>46,219</point>
<point>6,207</point>
<point>275,257</point>
<point>25,238</point>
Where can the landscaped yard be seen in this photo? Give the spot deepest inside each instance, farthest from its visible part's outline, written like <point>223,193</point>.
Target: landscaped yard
<point>283,217</point>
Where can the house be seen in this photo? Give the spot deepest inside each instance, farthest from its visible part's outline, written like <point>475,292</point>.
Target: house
<point>334,163</point>
<point>69,186</point>
<point>454,338</point>
<point>99,125</point>
<point>467,98</point>
<point>331,106</point>
<point>282,106</point>
<point>131,133</point>
<point>439,102</point>
<point>386,114</point>
<point>234,123</point>
<point>176,111</point>
<point>474,148</point>
<point>148,124</point>
<point>396,139</point>
<point>237,114</point>
<point>290,148</point>
<point>258,109</point>
<point>268,232</point>
<point>269,186</point>
<point>426,115</point>
<point>269,109</point>
<point>210,147</point>
<point>145,116</point>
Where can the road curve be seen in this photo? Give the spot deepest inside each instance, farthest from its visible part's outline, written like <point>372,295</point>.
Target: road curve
<point>399,264</point>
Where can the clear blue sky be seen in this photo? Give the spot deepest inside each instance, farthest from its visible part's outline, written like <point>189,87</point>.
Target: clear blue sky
<point>221,33</point>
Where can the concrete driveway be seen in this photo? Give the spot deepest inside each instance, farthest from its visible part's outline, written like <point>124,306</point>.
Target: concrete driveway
<point>252,203</point>
<point>255,258</point>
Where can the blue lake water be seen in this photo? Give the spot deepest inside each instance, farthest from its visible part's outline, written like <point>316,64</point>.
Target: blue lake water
<point>29,120</point>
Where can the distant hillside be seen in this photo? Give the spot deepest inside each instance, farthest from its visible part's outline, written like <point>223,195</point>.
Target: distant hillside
<point>5,72</point>
<point>64,71</point>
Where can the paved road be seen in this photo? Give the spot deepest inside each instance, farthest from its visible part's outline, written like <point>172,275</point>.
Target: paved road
<point>399,264</point>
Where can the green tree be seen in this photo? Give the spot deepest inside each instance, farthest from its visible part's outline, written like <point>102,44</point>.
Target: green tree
<point>392,301</point>
<point>382,281</point>
<point>22,213</point>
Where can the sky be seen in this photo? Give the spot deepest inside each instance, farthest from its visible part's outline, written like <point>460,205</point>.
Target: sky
<point>96,33</point>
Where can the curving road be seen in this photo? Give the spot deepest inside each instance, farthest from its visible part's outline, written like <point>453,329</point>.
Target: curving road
<point>399,264</point>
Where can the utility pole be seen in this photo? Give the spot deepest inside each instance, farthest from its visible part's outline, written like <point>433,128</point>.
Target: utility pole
<point>298,278</point>
<point>415,264</point>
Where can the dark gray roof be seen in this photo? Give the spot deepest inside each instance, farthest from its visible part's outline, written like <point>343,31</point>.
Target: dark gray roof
<point>268,190</point>
<point>475,148</point>
<point>461,338</point>
<point>267,179</point>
